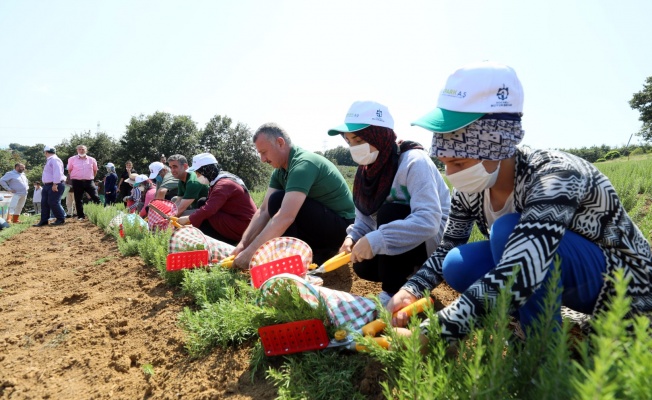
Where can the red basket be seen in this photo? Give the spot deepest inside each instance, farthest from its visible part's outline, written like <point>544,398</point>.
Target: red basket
<point>293,337</point>
<point>186,259</point>
<point>290,265</point>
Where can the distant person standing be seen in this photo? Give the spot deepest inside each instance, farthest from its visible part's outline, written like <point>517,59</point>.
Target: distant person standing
<point>82,169</point>
<point>16,182</point>
<point>100,190</point>
<point>36,199</point>
<point>68,196</point>
<point>123,185</point>
<point>53,186</point>
<point>163,159</point>
<point>110,185</point>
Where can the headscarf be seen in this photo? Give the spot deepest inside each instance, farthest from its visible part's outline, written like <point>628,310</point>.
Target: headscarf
<point>210,171</point>
<point>484,139</point>
<point>373,182</point>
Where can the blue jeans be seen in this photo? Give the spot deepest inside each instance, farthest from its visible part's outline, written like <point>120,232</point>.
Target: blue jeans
<point>582,269</point>
<point>51,201</point>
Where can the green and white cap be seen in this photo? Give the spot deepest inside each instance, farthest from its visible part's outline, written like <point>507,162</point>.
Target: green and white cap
<point>470,93</point>
<point>362,114</point>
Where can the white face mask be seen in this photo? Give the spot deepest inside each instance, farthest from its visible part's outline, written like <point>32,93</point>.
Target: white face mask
<point>362,154</point>
<point>203,180</point>
<point>474,179</point>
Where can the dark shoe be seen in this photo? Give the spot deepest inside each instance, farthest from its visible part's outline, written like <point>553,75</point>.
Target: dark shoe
<point>68,215</point>
<point>58,223</point>
<point>40,224</point>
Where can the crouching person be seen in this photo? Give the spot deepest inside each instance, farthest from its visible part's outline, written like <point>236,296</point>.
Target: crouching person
<point>228,209</point>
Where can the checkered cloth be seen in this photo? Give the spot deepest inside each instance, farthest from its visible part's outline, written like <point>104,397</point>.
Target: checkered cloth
<point>344,308</point>
<point>123,218</point>
<point>154,220</point>
<point>282,247</point>
<point>188,237</point>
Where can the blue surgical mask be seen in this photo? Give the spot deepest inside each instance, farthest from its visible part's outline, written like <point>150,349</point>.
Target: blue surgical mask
<point>159,179</point>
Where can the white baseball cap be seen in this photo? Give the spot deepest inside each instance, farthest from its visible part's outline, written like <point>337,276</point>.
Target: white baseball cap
<point>361,114</point>
<point>155,168</point>
<point>49,149</point>
<point>140,179</point>
<point>202,159</point>
<point>470,93</point>
<point>110,165</point>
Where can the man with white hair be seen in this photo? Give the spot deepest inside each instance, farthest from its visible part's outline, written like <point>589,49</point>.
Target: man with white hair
<point>16,182</point>
<point>82,169</point>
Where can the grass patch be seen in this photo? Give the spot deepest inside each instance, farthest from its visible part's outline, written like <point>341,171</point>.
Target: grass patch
<point>26,221</point>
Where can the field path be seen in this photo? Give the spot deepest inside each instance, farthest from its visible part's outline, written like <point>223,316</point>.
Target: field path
<point>79,321</point>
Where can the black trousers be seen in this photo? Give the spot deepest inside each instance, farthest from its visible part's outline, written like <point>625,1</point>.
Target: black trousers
<point>319,226</point>
<point>392,271</point>
<point>79,187</point>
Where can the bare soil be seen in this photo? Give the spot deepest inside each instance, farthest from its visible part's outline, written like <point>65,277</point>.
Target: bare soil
<point>79,321</point>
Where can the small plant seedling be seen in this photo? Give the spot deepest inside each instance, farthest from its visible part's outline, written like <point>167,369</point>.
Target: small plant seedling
<point>103,260</point>
<point>148,369</point>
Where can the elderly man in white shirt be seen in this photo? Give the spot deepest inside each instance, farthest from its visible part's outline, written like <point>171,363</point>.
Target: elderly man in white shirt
<point>16,182</point>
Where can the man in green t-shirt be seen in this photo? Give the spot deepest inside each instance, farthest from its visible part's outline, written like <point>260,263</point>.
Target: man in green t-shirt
<point>307,198</point>
<point>189,189</point>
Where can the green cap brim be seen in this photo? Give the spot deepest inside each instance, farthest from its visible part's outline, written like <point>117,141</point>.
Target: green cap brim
<point>443,121</point>
<point>346,128</point>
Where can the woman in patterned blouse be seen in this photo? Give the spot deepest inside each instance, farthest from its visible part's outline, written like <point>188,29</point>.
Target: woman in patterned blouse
<point>531,206</point>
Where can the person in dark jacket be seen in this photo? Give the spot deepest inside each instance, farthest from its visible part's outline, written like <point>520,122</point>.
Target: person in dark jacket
<point>110,185</point>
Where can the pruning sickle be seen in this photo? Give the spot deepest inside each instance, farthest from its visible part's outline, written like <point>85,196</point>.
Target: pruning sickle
<point>330,264</point>
<point>173,220</point>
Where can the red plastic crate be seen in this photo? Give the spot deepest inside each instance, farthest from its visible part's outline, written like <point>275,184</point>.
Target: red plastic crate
<point>290,265</point>
<point>186,259</point>
<point>293,337</point>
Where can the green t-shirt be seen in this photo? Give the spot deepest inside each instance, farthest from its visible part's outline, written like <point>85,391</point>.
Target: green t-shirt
<point>192,189</point>
<point>317,178</point>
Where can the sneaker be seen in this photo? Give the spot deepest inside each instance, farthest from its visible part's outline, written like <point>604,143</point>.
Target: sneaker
<point>384,298</point>
<point>80,218</point>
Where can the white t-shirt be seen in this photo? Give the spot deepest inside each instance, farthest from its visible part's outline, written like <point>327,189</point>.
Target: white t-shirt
<point>492,215</point>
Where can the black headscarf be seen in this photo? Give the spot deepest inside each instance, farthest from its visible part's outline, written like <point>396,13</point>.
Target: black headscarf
<point>373,182</point>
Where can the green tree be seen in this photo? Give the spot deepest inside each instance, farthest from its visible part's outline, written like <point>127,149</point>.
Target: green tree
<point>9,158</point>
<point>147,137</point>
<point>642,101</point>
<point>233,148</point>
<point>340,156</point>
<point>32,155</point>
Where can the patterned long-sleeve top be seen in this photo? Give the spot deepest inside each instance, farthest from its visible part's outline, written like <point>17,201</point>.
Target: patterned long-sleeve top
<point>554,191</point>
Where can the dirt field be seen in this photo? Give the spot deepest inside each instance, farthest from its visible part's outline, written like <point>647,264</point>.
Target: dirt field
<point>79,321</point>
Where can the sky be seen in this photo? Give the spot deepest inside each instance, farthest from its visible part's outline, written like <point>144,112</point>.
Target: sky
<point>67,66</point>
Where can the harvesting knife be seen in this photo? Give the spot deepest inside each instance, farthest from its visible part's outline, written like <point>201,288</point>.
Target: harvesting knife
<point>349,344</point>
<point>173,220</point>
<point>330,264</point>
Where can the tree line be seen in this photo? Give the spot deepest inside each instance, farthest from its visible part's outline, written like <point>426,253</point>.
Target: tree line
<point>146,139</point>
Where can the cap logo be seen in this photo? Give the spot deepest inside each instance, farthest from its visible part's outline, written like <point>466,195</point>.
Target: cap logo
<point>352,115</point>
<point>454,93</point>
<point>379,113</point>
<point>503,93</point>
